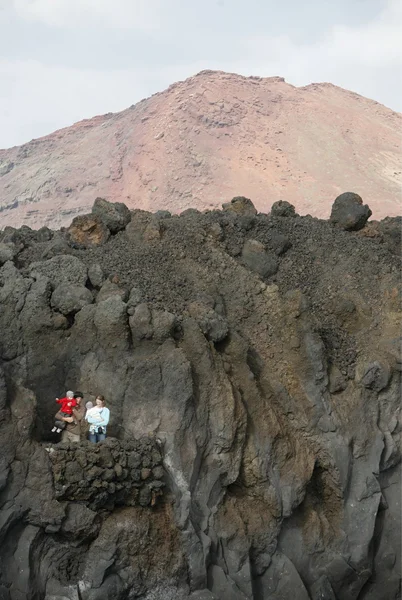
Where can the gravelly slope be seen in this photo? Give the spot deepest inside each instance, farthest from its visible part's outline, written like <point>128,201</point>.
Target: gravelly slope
<point>204,140</point>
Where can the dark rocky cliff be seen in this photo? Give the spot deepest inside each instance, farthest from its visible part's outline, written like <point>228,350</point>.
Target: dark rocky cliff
<point>251,365</point>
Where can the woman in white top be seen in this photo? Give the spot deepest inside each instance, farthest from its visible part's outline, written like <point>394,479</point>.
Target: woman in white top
<point>98,419</point>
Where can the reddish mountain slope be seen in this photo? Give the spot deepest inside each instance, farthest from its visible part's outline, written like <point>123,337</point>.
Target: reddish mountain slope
<point>204,140</point>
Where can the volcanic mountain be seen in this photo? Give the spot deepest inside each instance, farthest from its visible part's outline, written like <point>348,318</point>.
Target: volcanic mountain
<point>207,139</point>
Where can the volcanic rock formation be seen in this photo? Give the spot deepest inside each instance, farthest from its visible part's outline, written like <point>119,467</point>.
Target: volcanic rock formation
<point>207,139</point>
<point>251,366</point>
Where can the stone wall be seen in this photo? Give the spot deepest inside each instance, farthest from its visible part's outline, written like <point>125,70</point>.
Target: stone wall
<point>108,474</point>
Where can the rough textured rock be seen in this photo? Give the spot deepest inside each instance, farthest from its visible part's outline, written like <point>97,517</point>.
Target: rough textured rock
<point>69,298</point>
<point>63,269</point>
<point>7,252</point>
<point>114,474</point>
<point>283,209</point>
<point>213,325</point>
<point>240,206</point>
<point>111,322</point>
<point>114,215</point>
<point>348,212</point>
<point>96,275</point>
<point>86,231</point>
<point>257,259</point>
<point>109,289</point>
<point>254,445</point>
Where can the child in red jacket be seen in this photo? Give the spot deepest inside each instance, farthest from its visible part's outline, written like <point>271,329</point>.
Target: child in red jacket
<point>67,405</point>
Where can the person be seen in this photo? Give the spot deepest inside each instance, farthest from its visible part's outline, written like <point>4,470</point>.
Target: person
<point>72,431</point>
<point>67,404</point>
<point>97,428</point>
<point>93,411</point>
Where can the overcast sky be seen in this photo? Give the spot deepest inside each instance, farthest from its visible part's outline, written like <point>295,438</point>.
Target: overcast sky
<point>65,60</point>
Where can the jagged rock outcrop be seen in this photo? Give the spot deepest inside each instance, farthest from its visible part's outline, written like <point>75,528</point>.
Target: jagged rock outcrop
<point>254,444</point>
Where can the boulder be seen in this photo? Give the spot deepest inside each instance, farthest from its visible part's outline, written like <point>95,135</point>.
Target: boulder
<point>391,230</point>
<point>163,323</point>
<point>96,275</point>
<point>140,322</point>
<point>139,221</point>
<point>57,245</point>
<point>163,214</point>
<point>153,231</point>
<point>115,215</point>
<point>278,242</point>
<point>376,376</point>
<point>44,234</point>
<point>256,258</point>
<point>190,212</point>
<point>349,213</point>
<point>61,269</point>
<point>240,206</point>
<point>8,234</point>
<point>87,231</point>
<point>7,252</point>
<point>109,289</point>
<point>70,298</point>
<point>281,208</point>
<point>25,236</point>
<point>214,326</point>
<point>110,320</point>
<point>79,522</point>
<point>135,298</point>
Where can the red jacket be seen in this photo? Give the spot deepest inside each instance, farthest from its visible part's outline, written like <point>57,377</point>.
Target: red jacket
<point>67,404</point>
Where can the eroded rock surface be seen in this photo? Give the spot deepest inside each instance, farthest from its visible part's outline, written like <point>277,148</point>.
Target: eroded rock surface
<point>254,444</point>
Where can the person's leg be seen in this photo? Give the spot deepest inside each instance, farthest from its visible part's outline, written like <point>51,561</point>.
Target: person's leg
<point>92,437</point>
<point>101,437</point>
<point>59,426</point>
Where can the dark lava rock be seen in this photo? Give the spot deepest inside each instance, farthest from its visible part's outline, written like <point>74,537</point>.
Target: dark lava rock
<point>254,255</point>
<point>115,215</point>
<point>96,275</point>
<point>253,447</point>
<point>61,269</point>
<point>70,298</point>
<point>7,252</point>
<point>240,206</point>
<point>349,213</point>
<point>281,208</point>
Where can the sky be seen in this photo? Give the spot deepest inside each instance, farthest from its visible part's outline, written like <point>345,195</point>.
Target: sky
<point>65,60</point>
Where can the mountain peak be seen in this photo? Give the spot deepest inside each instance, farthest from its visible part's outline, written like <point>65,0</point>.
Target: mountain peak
<point>204,140</point>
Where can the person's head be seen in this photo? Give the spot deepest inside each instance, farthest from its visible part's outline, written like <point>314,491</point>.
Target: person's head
<point>78,396</point>
<point>70,395</point>
<point>89,405</point>
<point>100,401</point>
